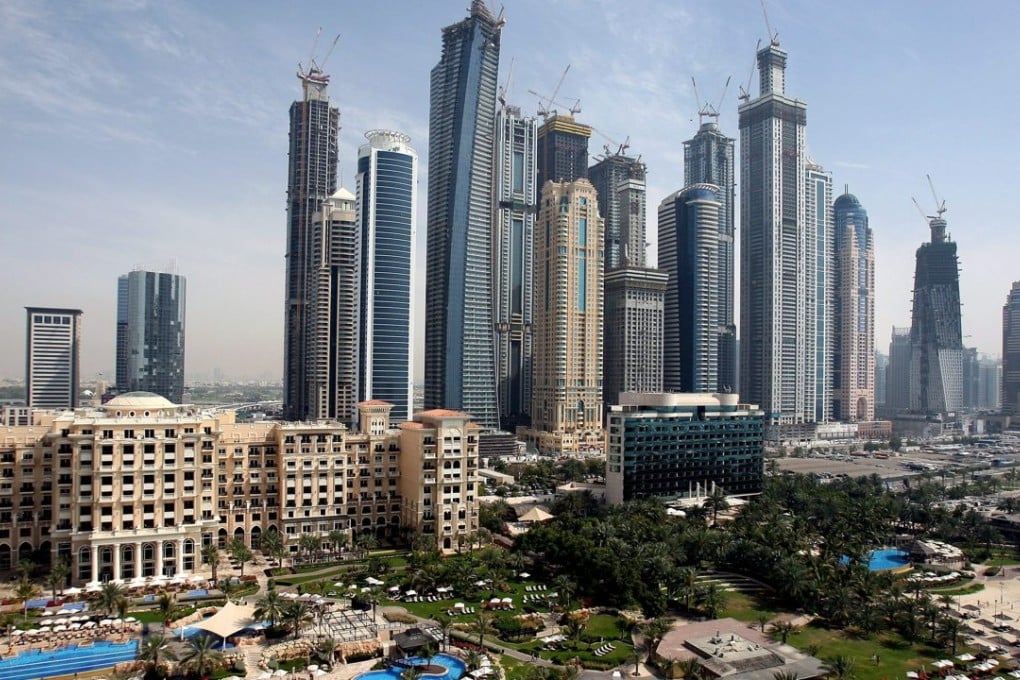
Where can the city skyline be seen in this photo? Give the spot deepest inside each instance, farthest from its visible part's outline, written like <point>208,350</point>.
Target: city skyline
<point>199,158</point>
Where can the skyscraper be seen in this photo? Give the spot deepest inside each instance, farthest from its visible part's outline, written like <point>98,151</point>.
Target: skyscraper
<point>387,200</point>
<point>332,365</point>
<point>311,180</point>
<point>620,183</point>
<point>708,159</point>
<point>818,213</point>
<point>936,330</point>
<point>881,374</point>
<point>151,358</point>
<point>777,283</point>
<point>633,350</point>
<point>516,203</point>
<point>897,377</point>
<point>567,401</point>
<point>1011,351</point>
<point>689,255</point>
<point>52,351</point>
<point>853,333</point>
<point>460,363</point>
<point>562,149</point>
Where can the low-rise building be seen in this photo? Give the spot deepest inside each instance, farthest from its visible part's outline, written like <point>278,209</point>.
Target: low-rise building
<point>136,486</point>
<point>663,445</point>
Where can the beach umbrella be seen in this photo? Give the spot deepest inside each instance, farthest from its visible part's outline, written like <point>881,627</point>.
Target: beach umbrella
<point>524,574</point>
<point>47,613</point>
<point>411,593</point>
<point>72,591</point>
<point>130,619</point>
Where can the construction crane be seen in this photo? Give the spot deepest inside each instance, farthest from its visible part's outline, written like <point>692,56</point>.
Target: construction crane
<point>545,103</point>
<point>608,148</point>
<point>773,37</point>
<point>314,70</point>
<point>940,206</point>
<point>706,110</point>
<point>505,86</point>
<point>745,92</point>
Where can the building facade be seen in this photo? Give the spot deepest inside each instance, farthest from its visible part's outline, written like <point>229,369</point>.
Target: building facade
<point>853,357</point>
<point>818,212</point>
<point>387,223</point>
<point>332,364</point>
<point>620,183</point>
<point>460,361</point>
<point>689,255</point>
<point>152,332</point>
<point>881,380</point>
<point>633,350</point>
<point>513,304</point>
<point>897,380</point>
<point>777,283</point>
<point>136,487</point>
<point>936,330</point>
<point>52,357</point>
<point>675,445</point>
<point>1011,351</point>
<point>567,405</point>
<point>437,482</point>
<point>311,180</point>
<point>708,159</point>
<point>562,149</point>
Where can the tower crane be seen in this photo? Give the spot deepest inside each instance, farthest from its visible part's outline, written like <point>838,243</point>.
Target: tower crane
<point>940,206</point>
<point>773,37</point>
<point>745,92</point>
<point>706,110</point>
<point>545,103</point>
<point>501,96</point>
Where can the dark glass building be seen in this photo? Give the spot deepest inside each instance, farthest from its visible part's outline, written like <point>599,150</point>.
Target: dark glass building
<point>387,200</point>
<point>150,335</point>
<point>562,149</point>
<point>682,445</point>
<point>620,183</point>
<point>460,362</point>
<point>936,329</point>
<point>1011,352</point>
<point>311,180</point>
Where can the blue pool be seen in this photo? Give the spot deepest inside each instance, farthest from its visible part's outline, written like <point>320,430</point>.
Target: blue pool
<point>454,669</point>
<point>67,660</point>
<point>199,592</point>
<point>885,559</point>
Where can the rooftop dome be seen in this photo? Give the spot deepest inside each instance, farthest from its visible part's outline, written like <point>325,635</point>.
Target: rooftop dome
<point>847,199</point>
<point>139,400</point>
<point>343,194</point>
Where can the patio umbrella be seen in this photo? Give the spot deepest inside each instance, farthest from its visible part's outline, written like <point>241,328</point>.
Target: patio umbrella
<point>524,574</point>
<point>411,593</point>
<point>72,591</point>
<point>59,629</point>
<point>507,600</point>
<point>47,613</point>
<point>74,626</point>
<point>130,619</point>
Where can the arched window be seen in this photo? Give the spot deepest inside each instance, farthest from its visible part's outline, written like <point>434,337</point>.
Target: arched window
<point>189,546</point>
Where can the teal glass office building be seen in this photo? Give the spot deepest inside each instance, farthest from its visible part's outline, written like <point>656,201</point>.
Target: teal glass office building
<point>673,445</point>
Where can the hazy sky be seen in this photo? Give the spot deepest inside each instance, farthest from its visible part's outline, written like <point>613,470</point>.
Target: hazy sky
<point>155,135</point>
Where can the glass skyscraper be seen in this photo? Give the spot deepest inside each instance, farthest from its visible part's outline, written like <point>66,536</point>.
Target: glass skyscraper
<point>311,180</point>
<point>936,329</point>
<point>818,216</point>
<point>516,203</point>
<point>460,363</point>
<point>151,358</point>
<point>387,206</point>
<point>853,360</point>
<point>620,183</point>
<point>1011,351</point>
<point>777,254</point>
<point>708,159</point>
<point>52,358</point>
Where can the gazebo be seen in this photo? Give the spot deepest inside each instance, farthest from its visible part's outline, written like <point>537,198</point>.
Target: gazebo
<point>231,619</point>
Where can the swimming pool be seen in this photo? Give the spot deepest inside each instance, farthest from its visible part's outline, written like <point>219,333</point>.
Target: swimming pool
<point>885,559</point>
<point>454,669</point>
<point>67,660</point>
<point>198,592</point>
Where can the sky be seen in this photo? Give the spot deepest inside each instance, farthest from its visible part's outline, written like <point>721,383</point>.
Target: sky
<point>154,135</point>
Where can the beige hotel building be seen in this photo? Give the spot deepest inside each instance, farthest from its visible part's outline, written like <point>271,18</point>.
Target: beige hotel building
<point>137,486</point>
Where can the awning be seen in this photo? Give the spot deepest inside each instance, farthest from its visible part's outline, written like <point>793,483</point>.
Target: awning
<point>536,514</point>
<point>228,620</point>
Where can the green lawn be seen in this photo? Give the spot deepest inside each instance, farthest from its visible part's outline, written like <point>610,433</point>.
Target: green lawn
<point>953,592</point>
<point>749,608</point>
<point>895,655</point>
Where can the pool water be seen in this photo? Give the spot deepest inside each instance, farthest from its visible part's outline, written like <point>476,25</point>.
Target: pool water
<point>67,660</point>
<point>885,559</point>
<point>454,669</point>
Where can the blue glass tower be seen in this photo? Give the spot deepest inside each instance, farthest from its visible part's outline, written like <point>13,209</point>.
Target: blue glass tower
<point>387,205</point>
<point>460,364</point>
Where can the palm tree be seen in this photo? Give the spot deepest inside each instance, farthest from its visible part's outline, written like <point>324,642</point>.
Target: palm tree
<point>270,607</point>
<point>840,667</point>
<point>25,589</point>
<point>473,659</point>
<point>293,614</point>
<point>711,599</point>
<point>690,668</point>
<point>482,625</point>
<point>367,542</point>
<point>201,657</point>
<point>716,501</point>
<point>782,630</point>
<point>785,675</point>
<point>309,544</point>
<point>58,576</point>
<point>654,631</point>
<point>211,556</point>
<point>109,596</point>
<point>565,589</point>
<point>326,650</point>
<point>273,546</point>
<point>445,624</point>
<point>155,649</point>
<point>688,577</point>
<point>240,552</point>
<point>166,606</point>
<point>337,540</point>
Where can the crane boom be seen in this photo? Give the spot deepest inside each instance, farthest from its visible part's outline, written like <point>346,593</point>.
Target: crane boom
<point>940,206</point>
<point>332,47</point>
<point>745,92</point>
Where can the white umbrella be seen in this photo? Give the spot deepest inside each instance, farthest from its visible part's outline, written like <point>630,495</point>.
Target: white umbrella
<point>353,586</point>
<point>17,631</point>
<point>442,589</point>
<point>507,600</point>
<point>89,624</point>
<point>106,622</point>
<point>72,591</point>
<point>130,619</point>
<point>59,629</point>
<point>411,593</point>
<point>458,605</point>
<point>47,613</point>
<point>524,574</point>
<point>280,673</point>
<point>312,667</point>
<point>74,626</point>
<point>495,600</point>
